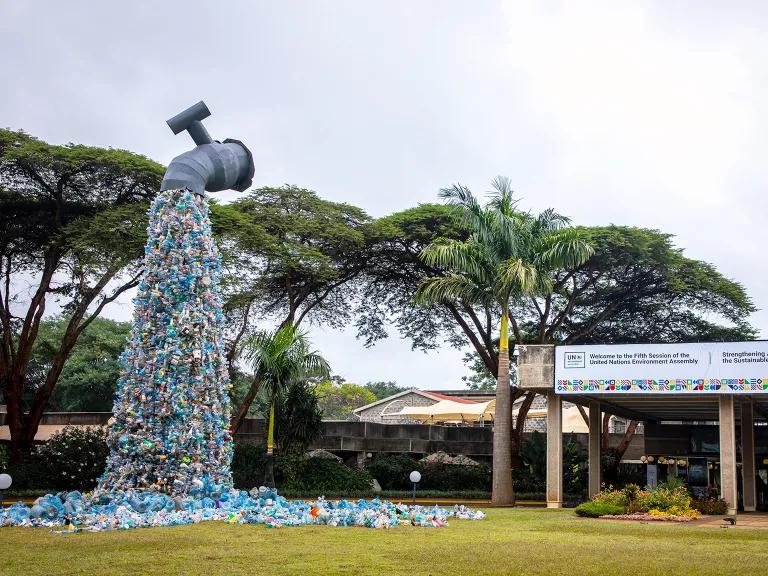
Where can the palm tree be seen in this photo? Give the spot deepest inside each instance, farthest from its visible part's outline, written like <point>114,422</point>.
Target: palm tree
<point>279,359</point>
<point>509,254</point>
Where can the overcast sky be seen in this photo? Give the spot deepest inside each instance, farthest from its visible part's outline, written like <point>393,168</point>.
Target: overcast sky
<point>648,114</point>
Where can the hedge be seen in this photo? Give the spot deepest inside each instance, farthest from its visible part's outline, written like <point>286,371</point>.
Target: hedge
<point>393,471</point>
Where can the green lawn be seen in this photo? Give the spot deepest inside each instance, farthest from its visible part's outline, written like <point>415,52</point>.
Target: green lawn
<point>508,541</point>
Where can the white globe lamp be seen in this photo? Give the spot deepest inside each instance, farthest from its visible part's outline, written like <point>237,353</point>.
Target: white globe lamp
<point>415,478</point>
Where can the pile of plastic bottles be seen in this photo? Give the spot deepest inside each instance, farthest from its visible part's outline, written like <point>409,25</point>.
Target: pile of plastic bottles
<point>73,511</point>
<point>170,432</point>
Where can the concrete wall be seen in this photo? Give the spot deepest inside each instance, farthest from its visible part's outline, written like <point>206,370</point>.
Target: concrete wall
<point>346,436</point>
<point>536,367</point>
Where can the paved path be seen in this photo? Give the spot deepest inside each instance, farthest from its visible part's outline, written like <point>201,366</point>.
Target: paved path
<point>743,520</point>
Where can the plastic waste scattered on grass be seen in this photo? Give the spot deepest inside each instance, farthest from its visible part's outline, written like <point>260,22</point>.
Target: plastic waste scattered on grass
<point>69,512</point>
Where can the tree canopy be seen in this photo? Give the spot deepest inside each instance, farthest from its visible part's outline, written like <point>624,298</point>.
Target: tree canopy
<point>638,287</point>
<point>72,221</point>
<point>87,382</point>
<point>384,389</point>
<point>289,256</point>
<point>338,400</point>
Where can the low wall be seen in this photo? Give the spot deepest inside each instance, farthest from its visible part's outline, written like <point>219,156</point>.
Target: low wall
<point>355,437</point>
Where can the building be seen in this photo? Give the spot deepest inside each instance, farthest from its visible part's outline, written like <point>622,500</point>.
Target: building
<point>704,406</point>
<point>385,411</point>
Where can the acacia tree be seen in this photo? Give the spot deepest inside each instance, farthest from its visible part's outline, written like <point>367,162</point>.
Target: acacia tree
<point>72,221</point>
<point>291,257</point>
<point>338,400</point>
<point>392,277</point>
<point>509,255</point>
<point>637,288</point>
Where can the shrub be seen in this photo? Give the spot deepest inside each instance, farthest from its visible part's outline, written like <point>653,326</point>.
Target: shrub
<point>392,471</point>
<point>248,465</point>
<point>455,477</point>
<point>312,476</point>
<point>74,457</point>
<point>297,475</point>
<point>663,498</point>
<point>531,477</point>
<point>710,506</point>
<point>672,483</point>
<point>595,509</point>
<point>631,492</point>
<point>683,511</point>
<point>523,480</point>
<point>611,497</point>
<point>29,475</point>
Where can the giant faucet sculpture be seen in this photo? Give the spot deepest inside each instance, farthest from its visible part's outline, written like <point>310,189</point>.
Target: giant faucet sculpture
<point>211,166</point>
<point>169,432</point>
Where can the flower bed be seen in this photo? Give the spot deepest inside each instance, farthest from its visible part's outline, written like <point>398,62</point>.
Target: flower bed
<point>669,502</point>
<point>649,517</point>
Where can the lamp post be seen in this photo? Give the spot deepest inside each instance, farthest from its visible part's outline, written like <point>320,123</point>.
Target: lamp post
<point>415,477</point>
<point>5,483</point>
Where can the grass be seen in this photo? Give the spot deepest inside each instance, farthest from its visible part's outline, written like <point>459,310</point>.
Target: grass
<point>508,541</point>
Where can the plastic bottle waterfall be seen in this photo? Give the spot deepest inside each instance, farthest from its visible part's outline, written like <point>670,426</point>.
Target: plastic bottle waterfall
<point>169,431</point>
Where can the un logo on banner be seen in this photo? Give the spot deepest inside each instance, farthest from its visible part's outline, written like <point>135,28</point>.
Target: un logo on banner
<point>574,360</point>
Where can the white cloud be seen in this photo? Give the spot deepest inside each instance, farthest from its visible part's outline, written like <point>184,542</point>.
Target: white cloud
<point>657,119</point>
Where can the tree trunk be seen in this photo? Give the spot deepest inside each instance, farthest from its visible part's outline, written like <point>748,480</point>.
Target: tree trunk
<point>269,472</point>
<point>271,430</point>
<point>612,456</point>
<point>519,428</point>
<point>15,420</point>
<point>502,493</point>
<point>237,419</point>
<point>629,433</point>
<point>43,394</point>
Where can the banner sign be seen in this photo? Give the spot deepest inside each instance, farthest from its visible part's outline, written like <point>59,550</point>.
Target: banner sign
<point>711,368</point>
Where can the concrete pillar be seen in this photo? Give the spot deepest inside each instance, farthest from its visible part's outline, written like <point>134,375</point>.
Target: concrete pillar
<point>595,433</point>
<point>554,451</point>
<point>728,453</point>
<point>652,475</point>
<point>748,457</point>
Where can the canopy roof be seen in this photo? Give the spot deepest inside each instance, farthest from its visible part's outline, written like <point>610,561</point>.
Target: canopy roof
<point>668,407</point>
<point>573,421</point>
<point>451,411</point>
